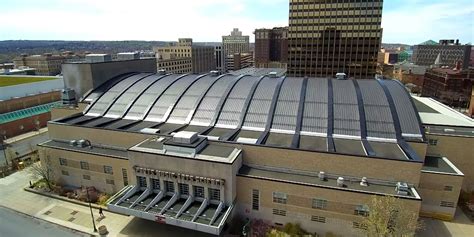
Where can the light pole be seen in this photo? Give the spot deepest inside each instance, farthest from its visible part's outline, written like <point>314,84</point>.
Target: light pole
<point>90,207</point>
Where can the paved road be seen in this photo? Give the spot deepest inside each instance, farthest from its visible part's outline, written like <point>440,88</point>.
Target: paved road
<point>13,224</point>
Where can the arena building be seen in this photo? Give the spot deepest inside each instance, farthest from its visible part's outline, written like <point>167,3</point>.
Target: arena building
<point>196,150</point>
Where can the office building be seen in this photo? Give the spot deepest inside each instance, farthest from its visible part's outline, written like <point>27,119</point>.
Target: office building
<point>329,37</point>
<point>179,57</point>
<point>448,51</point>
<point>271,47</point>
<point>220,58</point>
<point>238,61</point>
<point>235,43</point>
<point>45,65</point>
<point>411,75</point>
<point>451,86</point>
<point>196,151</point>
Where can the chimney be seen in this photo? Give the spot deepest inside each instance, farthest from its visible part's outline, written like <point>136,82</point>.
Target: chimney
<point>457,42</point>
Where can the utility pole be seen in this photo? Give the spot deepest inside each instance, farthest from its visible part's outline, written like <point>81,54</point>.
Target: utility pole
<point>90,207</point>
<point>4,137</point>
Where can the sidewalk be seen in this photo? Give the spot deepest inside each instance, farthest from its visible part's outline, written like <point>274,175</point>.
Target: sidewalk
<point>53,210</point>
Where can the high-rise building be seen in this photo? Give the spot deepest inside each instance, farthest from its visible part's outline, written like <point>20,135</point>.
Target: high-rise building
<point>235,43</point>
<point>220,58</point>
<point>271,47</point>
<point>449,52</point>
<point>327,37</point>
<point>185,57</point>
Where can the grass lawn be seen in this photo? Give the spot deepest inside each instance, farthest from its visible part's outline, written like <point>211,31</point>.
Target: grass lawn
<point>16,80</point>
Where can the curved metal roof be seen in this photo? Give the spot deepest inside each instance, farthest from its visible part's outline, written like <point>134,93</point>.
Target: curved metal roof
<point>288,112</point>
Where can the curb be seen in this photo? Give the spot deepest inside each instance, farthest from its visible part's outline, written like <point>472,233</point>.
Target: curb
<point>85,204</point>
<point>50,222</point>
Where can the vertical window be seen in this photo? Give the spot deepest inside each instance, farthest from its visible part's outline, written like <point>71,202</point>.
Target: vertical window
<point>198,191</point>
<point>84,165</point>
<point>255,199</point>
<point>169,186</point>
<point>183,189</point>
<point>141,181</point>
<point>125,177</point>
<point>280,197</point>
<point>108,169</point>
<point>319,203</point>
<point>63,161</point>
<point>155,184</point>
<point>214,194</point>
<point>87,177</point>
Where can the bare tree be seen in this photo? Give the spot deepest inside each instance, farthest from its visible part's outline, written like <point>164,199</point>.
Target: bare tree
<point>43,169</point>
<point>389,216</point>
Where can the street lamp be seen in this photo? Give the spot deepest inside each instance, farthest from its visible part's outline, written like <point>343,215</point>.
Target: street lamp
<point>90,207</point>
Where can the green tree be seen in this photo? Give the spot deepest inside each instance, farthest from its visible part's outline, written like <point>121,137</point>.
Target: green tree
<point>390,217</point>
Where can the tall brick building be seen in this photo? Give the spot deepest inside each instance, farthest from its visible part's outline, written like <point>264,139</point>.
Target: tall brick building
<point>271,47</point>
<point>327,37</point>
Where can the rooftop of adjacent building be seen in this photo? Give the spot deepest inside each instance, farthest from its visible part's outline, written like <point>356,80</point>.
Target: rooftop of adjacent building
<point>440,165</point>
<point>252,71</point>
<point>11,80</point>
<point>442,119</point>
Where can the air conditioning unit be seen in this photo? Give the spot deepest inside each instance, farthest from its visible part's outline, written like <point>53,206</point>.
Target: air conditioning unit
<point>363,182</point>
<point>272,74</point>
<point>340,182</point>
<point>322,176</point>
<point>402,188</point>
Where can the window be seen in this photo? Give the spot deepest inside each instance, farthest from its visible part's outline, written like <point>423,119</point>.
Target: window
<point>108,169</point>
<point>198,191</point>
<point>155,184</point>
<point>255,199</point>
<point>279,212</point>
<point>125,177</point>
<point>169,186</point>
<point>447,204</point>
<point>110,181</point>
<point>85,176</point>
<point>141,181</point>
<point>320,203</point>
<point>214,194</point>
<point>358,225</point>
<point>433,142</point>
<point>63,161</point>
<point>279,197</point>
<point>321,219</point>
<point>183,189</point>
<point>64,172</point>
<point>84,165</point>
<point>361,210</point>
<point>448,188</point>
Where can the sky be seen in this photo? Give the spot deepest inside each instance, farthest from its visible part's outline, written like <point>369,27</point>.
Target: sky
<point>404,21</point>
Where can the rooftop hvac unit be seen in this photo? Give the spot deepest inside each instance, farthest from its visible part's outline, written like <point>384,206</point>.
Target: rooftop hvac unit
<point>363,182</point>
<point>185,137</point>
<point>340,182</point>
<point>68,96</point>
<point>214,73</point>
<point>73,143</point>
<point>402,188</point>
<point>161,72</point>
<point>322,176</point>
<point>84,143</point>
<point>341,76</point>
<point>272,74</point>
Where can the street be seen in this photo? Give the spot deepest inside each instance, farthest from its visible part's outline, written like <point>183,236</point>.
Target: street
<point>14,224</point>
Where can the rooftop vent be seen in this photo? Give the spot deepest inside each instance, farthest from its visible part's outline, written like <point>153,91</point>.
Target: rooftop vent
<point>214,73</point>
<point>73,143</point>
<point>341,76</point>
<point>84,143</point>
<point>185,137</point>
<point>402,188</point>
<point>68,96</point>
<point>161,72</point>
<point>272,74</point>
<point>340,182</point>
<point>363,182</point>
<point>322,175</point>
